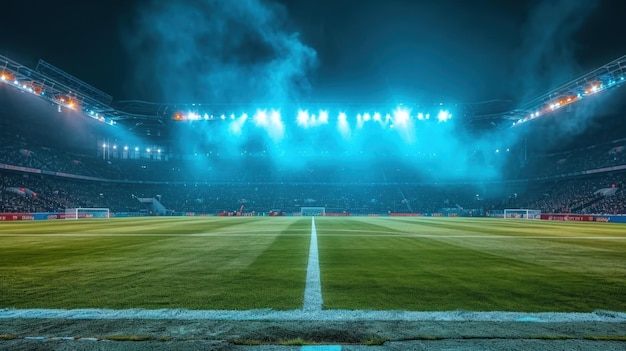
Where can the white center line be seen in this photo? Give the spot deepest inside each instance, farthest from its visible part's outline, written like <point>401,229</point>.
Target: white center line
<point>313,290</point>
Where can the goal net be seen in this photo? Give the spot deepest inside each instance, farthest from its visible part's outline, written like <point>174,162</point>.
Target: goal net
<point>76,213</point>
<point>312,211</point>
<point>522,213</point>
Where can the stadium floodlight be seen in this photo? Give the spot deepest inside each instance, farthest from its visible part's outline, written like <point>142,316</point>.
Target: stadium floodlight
<point>401,116</point>
<point>276,129</point>
<point>236,125</point>
<point>260,118</point>
<point>443,116</point>
<point>303,118</point>
<point>136,149</point>
<point>125,148</point>
<point>359,121</point>
<point>323,117</point>
<point>275,116</point>
<point>342,124</point>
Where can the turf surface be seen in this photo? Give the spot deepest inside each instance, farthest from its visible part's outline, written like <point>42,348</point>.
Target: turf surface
<point>238,263</point>
<point>472,264</point>
<point>366,263</point>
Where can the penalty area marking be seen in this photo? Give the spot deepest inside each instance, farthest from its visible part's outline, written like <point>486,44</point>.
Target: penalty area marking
<point>313,290</point>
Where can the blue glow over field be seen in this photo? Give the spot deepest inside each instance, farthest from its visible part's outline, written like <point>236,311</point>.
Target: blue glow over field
<point>403,138</point>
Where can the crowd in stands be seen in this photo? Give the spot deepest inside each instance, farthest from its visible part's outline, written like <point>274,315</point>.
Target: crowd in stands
<point>599,156</point>
<point>209,184</point>
<point>573,195</point>
<point>54,194</point>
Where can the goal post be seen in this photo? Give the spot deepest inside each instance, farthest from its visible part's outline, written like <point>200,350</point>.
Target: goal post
<point>312,211</point>
<point>80,212</point>
<point>522,213</point>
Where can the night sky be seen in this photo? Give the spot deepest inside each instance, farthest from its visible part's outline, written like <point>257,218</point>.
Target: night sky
<point>365,50</point>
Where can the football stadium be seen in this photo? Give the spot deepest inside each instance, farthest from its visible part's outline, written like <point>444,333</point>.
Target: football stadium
<point>263,220</point>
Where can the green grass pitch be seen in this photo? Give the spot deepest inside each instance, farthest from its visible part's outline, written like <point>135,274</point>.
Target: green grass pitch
<point>370,263</point>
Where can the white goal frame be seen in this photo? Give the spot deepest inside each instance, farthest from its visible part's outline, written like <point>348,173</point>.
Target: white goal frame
<point>312,211</point>
<point>86,212</point>
<point>522,213</point>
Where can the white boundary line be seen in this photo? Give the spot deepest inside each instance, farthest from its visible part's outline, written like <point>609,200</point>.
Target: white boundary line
<point>309,315</point>
<point>313,300</point>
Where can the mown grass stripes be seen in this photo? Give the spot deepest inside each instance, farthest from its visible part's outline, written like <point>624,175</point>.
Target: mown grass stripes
<point>422,264</point>
<point>446,271</point>
<point>195,272</point>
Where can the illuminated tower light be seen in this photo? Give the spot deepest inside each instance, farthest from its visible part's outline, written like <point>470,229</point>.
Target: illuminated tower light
<point>303,118</point>
<point>323,117</point>
<point>276,128</point>
<point>342,124</point>
<point>260,118</point>
<point>443,116</point>
<point>275,116</point>
<point>401,116</point>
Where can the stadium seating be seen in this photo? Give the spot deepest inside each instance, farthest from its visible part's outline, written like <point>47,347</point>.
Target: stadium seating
<point>550,182</point>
